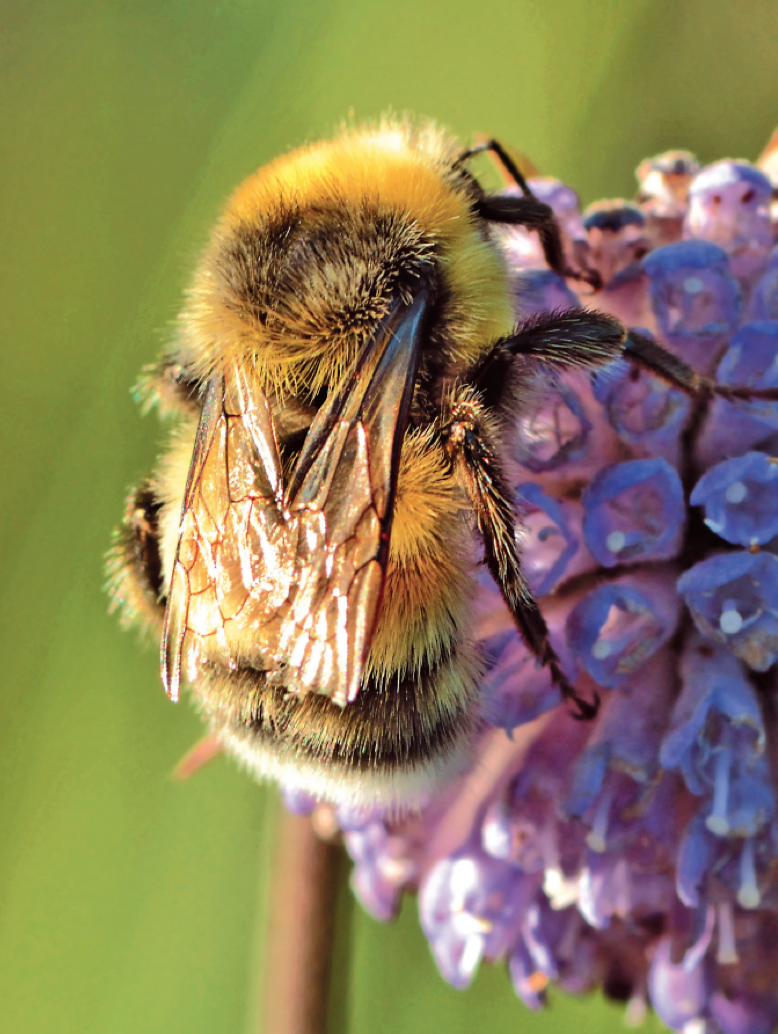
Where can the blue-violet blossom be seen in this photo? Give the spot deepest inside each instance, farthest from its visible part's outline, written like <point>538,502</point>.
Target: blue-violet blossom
<point>637,853</point>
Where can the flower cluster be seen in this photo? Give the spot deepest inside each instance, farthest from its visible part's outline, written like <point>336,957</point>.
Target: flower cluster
<point>637,853</point>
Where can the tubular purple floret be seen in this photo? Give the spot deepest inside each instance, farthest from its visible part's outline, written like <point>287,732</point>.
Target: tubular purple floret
<point>729,206</point>
<point>740,497</point>
<point>634,512</point>
<point>647,414</point>
<point>617,626</point>
<point>733,598</point>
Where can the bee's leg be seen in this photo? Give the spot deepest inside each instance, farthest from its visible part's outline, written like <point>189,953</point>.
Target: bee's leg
<point>466,439</point>
<point>582,338</point>
<point>657,360</point>
<point>559,340</point>
<point>134,563</point>
<point>505,159</point>
<point>536,215</point>
<point>526,211</point>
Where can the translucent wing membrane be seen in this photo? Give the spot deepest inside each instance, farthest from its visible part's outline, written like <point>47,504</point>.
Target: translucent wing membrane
<point>288,580</point>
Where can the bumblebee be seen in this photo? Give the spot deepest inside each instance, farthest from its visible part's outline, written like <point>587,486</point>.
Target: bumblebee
<point>347,367</point>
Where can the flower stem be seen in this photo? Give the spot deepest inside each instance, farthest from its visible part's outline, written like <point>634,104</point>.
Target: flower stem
<point>301,929</point>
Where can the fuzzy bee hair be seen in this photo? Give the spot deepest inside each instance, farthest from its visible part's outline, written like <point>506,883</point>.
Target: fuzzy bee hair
<point>347,365</point>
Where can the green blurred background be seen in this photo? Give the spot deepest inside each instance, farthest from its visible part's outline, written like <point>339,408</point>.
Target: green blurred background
<point>131,903</point>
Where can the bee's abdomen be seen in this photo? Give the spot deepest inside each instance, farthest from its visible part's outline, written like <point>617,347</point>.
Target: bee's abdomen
<point>417,728</point>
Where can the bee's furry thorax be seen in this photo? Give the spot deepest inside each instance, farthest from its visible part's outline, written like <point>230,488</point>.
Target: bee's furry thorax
<point>312,248</point>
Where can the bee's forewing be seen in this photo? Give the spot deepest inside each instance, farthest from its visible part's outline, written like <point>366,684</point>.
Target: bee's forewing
<point>288,581</point>
<point>234,482</point>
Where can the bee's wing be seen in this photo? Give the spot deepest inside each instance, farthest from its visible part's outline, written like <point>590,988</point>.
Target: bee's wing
<point>288,581</point>
<point>233,491</point>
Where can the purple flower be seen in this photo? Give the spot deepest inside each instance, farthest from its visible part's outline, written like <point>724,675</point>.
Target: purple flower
<point>750,360</point>
<point>471,907</point>
<point>732,428</point>
<point>647,414</point>
<point>555,433</point>
<point>522,247</point>
<point>565,203</point>
<point>634,512</point>
<point>561,434</point>
<point>679,992</point>
<point>717,740</point>
<point>553,547</point>
<point>515,689</point>
<point>716,719</point>
<point>637,853</point>
<point>298,802</point>
<point>616,627</point>
<point>744,1014</point>
<point>616,773</point>
<point>382,868</point>
<point>541,290</point>
<point>733,599</point>
<point>763,303</point>
<point>523,821</point>
<point>617,240</point>
<point>696,299</point>
<point>664,191</point>
<point>552,945</point>
<point>729,205</point>
<point>740,497</point>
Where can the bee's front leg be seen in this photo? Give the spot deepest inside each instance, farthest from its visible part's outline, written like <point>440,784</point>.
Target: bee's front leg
<point>527,211</point>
